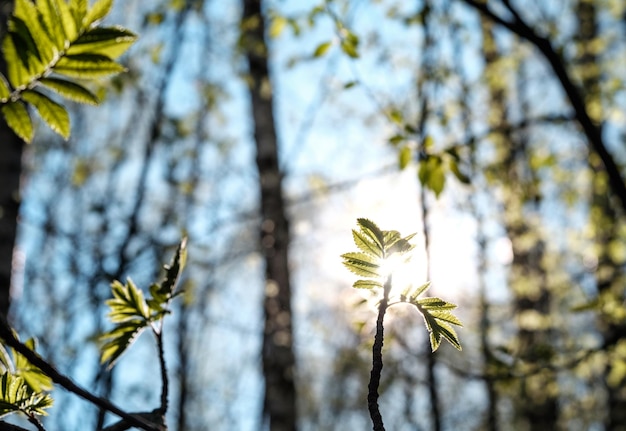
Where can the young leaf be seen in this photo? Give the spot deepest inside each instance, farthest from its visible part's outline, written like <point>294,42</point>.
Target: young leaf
<point>365,244</point>
<point>70,90</point>
<point>127,303</point>
<point>438,320</point>
<point>367,284</point>
<point>322,49</point>
<point>404,157</point>
<point>111,42</point>
<point>173,270</point>
<point>79,11</point>
<point>36,379</point>
<point>372,231</point>
<point>67,21</point>
<point>362,264</point>
<point>17,118</point>
<point>51,112</point>
<point>16,396</point>
<point>52,22</point>
<point>5,91</point>
<point>26,12</point>
<point>99,10</point>
<point>16,68</point>
<point>119,339</point>
<point>87,66</point>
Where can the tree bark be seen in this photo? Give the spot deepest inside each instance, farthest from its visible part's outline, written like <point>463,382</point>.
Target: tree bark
<point>10,172</point>
<point>537,400</point>
<point>606,221</point>
<point>279,407</point>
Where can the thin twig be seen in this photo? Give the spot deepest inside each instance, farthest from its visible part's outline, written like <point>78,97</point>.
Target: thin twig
<point>164,378</point>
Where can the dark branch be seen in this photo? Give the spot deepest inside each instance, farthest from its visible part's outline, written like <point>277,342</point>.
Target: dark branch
<point>377,362</point>
<point>592,131</point>
<point>7,335</point>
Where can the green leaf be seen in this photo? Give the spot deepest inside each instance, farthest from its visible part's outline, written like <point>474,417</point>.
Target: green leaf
<point>349,48</point>
<point>362,270</point>
<point>435,304</point>
<point>26,12</point>
<point>16,64</point>
<point>17,118</point>
<point>111,42</point>
<point>372,231</point>
<point>362,264</point>
<point>5,91</point>
<point>438,321</point>
<point>277,25</point>
<point>99,10</point>
<point>67,21</point>
<point>127,303</point>
<point>365,244</point>
<point>119,339</point>
<point>36,379</point>
<point>70,90</point>
<point>411,293</point>
<point>404,157</point>
<point>79,11</point>
<point>322,49</point>
<point>16,396</point>
<point>173,271</point>
<point>51,112</point>
<point>367,284</point>
<point>431,174</point>
<point>52,22</point>
<point>86,66</point>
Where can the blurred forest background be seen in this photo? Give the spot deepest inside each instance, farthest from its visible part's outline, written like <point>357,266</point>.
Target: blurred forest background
<point>494,129</point>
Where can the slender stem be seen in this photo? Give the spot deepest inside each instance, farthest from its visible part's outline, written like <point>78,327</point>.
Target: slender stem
<point>377,361</point>
<point>164,378</point>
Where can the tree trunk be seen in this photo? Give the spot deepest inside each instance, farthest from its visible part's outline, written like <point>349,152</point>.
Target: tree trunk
<point>605,219</point>
<point>10,172</point>
<point>279,408</point>
<point>537,400</point>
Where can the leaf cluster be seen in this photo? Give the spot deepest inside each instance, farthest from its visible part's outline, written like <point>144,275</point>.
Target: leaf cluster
<point>437,315</point>
<point>23,387</point>
<point>55,45</point>
<point>376,246</point>
<point>132,313</point>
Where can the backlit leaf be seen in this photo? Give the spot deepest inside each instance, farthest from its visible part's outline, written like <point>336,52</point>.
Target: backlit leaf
<point>17,118</point>
<point>87,66</point>
<point>67,21</point>
<point>277,25</point>
<point>365,244</point>
<point>108,41</point>
<point>70,90</point>
<point>127,303</point>
<point>17,72</point>
<point>5,91</point>
<point>36,379</point>
<point>367,284</point>
<point>119,339</point>
<point>51,112</point>
<point>404,157</point>
<point>372,231</point>
<point>322,49</point>
<point>99,10</point>
<point>52,22</point>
